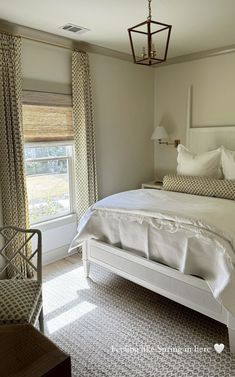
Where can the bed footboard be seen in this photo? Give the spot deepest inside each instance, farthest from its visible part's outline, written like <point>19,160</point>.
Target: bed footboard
<point>187,290</point>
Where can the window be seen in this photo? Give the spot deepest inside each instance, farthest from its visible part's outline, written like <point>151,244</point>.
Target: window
<point>48,134</point>
<point>48,178</point>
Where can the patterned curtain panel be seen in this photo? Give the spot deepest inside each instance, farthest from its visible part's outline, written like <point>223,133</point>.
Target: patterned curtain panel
<point>13,185</point>
<point>84,134</point>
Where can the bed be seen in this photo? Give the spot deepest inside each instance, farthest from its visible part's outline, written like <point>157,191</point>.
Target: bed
<point>191,279</point>
<point>124,240</point>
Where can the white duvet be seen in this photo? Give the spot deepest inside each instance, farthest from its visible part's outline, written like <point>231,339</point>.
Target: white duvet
<point>193,234</point>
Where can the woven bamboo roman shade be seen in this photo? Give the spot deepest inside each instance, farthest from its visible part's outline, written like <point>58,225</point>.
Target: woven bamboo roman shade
<point>47,117</point>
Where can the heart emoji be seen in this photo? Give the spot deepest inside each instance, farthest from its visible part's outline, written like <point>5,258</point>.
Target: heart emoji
<point>219,347</point>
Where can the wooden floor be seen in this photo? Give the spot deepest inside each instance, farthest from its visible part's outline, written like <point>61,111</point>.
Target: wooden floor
<point>60,267</point>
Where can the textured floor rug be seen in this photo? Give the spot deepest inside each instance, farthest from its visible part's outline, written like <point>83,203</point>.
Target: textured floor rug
<point>112,327</point>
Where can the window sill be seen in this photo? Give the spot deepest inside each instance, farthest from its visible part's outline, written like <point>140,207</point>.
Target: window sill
<point>56,223</point>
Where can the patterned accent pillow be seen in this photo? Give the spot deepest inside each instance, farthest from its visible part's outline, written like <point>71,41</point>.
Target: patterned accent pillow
<point>203,186</point>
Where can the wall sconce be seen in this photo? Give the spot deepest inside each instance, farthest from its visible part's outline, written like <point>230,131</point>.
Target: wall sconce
<point>160,134</point>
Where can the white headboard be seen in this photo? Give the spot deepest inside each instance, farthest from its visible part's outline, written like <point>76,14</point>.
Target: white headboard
<point>203,139</point>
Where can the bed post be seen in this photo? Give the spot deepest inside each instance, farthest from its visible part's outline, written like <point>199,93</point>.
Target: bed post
<point>85,259</point>
<point>231,332</point>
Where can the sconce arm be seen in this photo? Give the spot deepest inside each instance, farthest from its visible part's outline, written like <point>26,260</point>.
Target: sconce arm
<point>173,142</point>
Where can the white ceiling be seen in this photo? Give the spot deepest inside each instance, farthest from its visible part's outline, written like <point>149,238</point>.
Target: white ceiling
<point>197,24</point>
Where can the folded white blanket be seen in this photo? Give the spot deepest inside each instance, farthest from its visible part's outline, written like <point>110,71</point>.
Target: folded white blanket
<point>193,234</point>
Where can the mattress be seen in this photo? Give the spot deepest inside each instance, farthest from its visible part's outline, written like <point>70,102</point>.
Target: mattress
<point>193,234</point>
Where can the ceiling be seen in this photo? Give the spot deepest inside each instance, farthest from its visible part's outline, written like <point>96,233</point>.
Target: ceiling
<point>197,25</point>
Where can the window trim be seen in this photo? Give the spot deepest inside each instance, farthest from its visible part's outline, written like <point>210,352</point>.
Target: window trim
<point>56,222</point>
<point>71,173</point>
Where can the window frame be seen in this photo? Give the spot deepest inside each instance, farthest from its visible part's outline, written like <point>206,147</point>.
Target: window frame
<point>71,174</point>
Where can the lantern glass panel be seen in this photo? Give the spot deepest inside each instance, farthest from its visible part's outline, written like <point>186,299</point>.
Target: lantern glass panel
<point>159,42</point>
<point>140,44</point>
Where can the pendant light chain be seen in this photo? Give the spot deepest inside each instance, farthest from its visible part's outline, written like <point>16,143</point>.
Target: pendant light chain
<point>150,11</point>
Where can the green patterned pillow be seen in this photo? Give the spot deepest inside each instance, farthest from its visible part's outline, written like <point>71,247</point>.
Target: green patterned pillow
<point>203,186</point>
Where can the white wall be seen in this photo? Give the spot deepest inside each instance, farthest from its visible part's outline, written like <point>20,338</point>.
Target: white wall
<point>213,83</point>
<point>123,103</point>
<point>124,108</point>
<point>46,67</point>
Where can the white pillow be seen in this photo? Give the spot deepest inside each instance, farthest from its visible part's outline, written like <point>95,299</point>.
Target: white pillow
<point>206,164</point>
<point>228,163</point>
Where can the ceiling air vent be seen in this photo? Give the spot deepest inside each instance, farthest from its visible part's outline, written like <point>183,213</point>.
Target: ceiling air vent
<point>74,28</point>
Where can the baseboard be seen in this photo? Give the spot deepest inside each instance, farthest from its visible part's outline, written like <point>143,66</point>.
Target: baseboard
<point>56,254</point>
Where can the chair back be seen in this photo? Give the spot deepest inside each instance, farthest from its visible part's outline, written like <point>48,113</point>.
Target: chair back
<point>24,246</point>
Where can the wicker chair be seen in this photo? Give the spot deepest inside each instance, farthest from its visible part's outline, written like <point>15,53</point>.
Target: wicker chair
<point>20,297</point>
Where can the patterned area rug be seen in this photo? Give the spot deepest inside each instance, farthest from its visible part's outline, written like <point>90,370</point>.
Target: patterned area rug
<point>112,327</point>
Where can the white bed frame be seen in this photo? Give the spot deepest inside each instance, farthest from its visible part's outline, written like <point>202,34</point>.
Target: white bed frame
<point>187,290</point>
<point>184,289</point>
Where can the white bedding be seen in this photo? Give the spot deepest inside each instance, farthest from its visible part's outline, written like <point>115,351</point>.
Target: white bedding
<point>194,234</point>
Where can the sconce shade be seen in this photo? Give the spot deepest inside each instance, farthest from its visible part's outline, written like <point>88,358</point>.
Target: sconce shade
<point>159,133</point>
